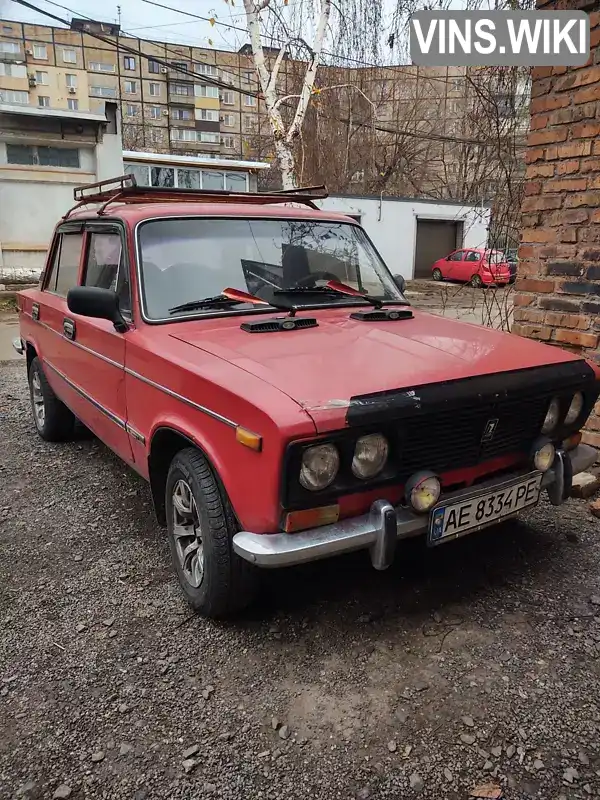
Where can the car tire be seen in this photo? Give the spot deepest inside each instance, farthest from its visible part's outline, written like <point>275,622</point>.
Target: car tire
<point>437,275</point>
<point>53,420</point>
<point>216,582</point>
<point>476,281</point>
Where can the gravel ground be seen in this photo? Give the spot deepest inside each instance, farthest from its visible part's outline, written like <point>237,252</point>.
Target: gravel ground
<point>474,663</point>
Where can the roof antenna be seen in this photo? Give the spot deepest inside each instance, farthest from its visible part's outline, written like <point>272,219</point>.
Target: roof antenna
<point>119,15</point>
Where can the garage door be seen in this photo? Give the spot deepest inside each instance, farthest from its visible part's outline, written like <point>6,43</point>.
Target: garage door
<point>435,239</point>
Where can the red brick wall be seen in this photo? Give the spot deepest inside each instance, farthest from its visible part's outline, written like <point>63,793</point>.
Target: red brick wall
<point>557,296</point>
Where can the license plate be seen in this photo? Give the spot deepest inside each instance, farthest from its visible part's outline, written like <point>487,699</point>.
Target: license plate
<point>482,509</point>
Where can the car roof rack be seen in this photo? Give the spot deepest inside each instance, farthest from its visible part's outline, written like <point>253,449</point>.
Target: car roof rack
<point>124,189</point>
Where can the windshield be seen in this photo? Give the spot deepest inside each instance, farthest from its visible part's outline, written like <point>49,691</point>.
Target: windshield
<point>188,259</point>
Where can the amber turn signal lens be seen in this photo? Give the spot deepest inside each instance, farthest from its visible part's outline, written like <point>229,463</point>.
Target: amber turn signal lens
<point>572,442</point>
<point>248,439</point>
<point>311,518</point>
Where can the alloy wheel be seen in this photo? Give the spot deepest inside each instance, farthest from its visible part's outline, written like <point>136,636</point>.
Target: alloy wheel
<point>187,534</point>
<point>39,408</point>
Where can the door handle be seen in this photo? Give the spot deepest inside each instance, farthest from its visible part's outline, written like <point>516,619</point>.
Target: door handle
<point>69,328</point>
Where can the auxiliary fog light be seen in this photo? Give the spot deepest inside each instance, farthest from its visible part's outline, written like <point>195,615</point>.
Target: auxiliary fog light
<point>423,491</point>
<point>543,455</point>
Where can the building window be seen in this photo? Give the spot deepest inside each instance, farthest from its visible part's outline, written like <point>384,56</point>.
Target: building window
<point>131,111</point>
<point>154,89</point>
<point>12,70</point>
<point>181,89</point>
<point>179,66</point>
<point>181,113</point>
<point>183,135</point>
<point>207,138</point>
<point>44,102</point>
<point>227,97</point>
<point>228,120</point>
<point>69,56</point>
<point>73,104</point>
<point>205,69</point>
<point>162,176</point>
<point>42,156</point>
<point>140,172</point>
<point>249,100</point>
<point>130,87</point>
<point>103,91</point>
<point>155,135</point>
<point>153,66</point>
<point>40,51</point>
<point>71,80</point>
<point>14,96</point>
<point>228,142</point>
<point>236,181</point>
<point>41,78</point>
<point>207,91</point>
<point>250,124</point>
<point>207,114</point>
<point>101,66</point>
<point>154,112</point>
<point>11,48</point>
<point>129,63</point>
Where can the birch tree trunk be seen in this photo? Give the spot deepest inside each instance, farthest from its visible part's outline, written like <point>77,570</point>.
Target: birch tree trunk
<point>284,139</point>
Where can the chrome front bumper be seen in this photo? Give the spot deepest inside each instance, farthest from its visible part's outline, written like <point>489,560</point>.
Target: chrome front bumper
<point>379,529</point>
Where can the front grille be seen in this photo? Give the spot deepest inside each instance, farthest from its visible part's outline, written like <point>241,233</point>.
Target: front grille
<point>452,440</point>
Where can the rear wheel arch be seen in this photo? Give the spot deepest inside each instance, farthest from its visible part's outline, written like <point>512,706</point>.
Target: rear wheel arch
<point>164,445</point>
<point>30,354</point>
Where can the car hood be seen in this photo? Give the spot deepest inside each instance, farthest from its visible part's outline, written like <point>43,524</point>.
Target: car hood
<point>322,368</point>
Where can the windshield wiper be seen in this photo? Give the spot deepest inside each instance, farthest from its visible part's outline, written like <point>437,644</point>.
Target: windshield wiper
<point>335,288</point>
<point>225,300</point>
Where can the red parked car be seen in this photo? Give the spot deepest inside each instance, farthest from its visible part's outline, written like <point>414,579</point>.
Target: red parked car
<point>479,267</point>
<point>258,364</point>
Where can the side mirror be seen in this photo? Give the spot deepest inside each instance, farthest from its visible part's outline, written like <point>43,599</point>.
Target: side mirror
<point>91,301</point>
<point>400,283</point>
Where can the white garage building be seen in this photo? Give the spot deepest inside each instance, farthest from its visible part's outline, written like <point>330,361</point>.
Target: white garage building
<point>410,233</point>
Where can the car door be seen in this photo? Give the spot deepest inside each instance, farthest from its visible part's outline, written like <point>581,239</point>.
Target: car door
<point>454,266</point>
<point>472,264</point>
<point>97,351</point>
<point>50,310</point>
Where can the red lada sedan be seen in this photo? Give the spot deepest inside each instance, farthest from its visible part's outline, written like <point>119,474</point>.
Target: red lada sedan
<point>258,364</point>
<point>478,267</point>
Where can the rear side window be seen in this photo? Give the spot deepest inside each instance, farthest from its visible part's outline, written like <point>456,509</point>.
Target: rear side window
<point>65,267</point>
<point>473,256</point>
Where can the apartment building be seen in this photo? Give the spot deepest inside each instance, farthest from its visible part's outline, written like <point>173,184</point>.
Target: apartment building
<point>193,101</point>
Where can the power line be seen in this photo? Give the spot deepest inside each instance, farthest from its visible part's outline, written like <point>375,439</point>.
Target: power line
<point>258,95</point>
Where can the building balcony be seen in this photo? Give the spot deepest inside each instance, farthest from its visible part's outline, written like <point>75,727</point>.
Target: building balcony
<point>181,99</point>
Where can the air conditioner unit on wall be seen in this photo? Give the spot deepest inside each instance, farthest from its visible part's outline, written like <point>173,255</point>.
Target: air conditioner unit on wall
<point>164,70</point>
<point>165,112</point>
<point>29,51</point>
<point>72,90</point>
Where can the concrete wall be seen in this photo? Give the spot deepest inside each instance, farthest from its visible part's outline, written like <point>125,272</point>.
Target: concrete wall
<point>392,225</point>
<point>557,299</point>
<point>33,198</point>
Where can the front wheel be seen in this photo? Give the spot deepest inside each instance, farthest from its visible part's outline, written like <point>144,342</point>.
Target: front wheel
<point>200,523</point>
<point>437,275</point>
<point>476,281</point>
<point>53,420</point>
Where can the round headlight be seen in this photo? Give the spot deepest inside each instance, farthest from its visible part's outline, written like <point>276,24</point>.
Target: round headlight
<point>543,457</point>
<point>552,416</point>
<point>370,455</point>
<point>423,491</point>
<point>574,409</point>
<point>320,465</point>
